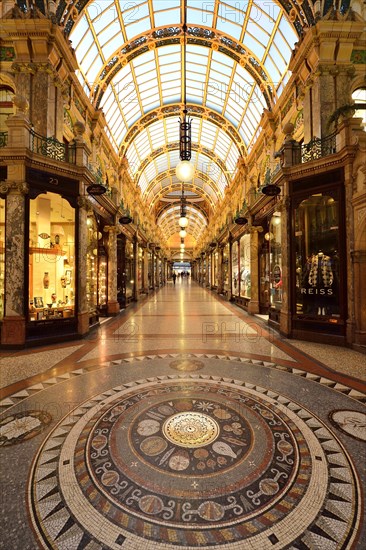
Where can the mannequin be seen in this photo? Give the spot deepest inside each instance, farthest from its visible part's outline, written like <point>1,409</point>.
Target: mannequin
<point>318,279</point>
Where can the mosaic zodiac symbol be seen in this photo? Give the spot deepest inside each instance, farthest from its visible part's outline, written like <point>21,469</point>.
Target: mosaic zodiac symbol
<point>267,487</point>
<point>211,510</point>
<point>284,447</point>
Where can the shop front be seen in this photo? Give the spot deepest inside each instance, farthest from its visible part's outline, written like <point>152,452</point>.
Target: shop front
<point>51,267</point>
<point>318,282</point>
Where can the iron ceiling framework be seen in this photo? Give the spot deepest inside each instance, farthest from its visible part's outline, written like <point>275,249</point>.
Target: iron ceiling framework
<point>130,59</point>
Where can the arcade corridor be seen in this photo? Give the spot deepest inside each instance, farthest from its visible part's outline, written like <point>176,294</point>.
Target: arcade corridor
<point>183,422</point>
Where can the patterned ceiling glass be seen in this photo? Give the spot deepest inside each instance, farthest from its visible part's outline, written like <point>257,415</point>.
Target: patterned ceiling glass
<point>153,79</point>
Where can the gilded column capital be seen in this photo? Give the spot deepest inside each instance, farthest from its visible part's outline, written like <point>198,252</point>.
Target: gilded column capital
<point>14,188</point>
<point>83,202</point>
<point>284,204</point>
<point>256,229</point>
<point>112,229</point>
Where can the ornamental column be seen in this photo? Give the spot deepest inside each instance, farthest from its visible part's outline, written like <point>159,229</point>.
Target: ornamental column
<point>112,304</point>
<point>285,314</point>
<point>253,306</point>
<point>145,270</point>
<point>152,277</point>
<point>13,329</point>
<point>83,309</point>
<point>135,292</point>
<point>230,270</point>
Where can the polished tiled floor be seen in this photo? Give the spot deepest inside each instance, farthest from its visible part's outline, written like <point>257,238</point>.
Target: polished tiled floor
<point>183,423</point>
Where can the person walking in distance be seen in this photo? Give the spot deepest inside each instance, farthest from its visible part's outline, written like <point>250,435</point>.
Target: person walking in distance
<point>174,277</point>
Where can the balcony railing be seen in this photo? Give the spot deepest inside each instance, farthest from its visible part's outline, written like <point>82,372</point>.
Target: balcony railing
<point>318,148</point>
<point>52,148</point>
<point>3,139</point>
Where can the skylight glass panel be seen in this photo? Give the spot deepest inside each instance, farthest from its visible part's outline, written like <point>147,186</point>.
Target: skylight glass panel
<point>134,29</point>
<point>253,45</point>
<point>277,59</point>
<point>110,30</point>
<point>288,32</point>
<point>255,30</point>
<point>171,15</point>
<point>272,70</point>
<point>229,28</point>
<point>78,32</point>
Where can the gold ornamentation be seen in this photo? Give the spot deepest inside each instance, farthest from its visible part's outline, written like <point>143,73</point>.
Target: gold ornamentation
<point>191,429</point>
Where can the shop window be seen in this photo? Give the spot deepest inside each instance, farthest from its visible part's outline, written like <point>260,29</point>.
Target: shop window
<point>51,258</point>
<point>215,270</point>
<point>317,246</point>
<point>235,268</point>
<point>245,282</point>
<point>2,257</point>
<point>275,260</point>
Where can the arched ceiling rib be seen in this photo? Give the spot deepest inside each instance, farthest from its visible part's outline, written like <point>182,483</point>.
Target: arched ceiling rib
<point>201,184</point>
<point>168,221</point>
<point>161,137</point>
<point>175,110</point>
<point>167,36</point>
<point>193,191</point>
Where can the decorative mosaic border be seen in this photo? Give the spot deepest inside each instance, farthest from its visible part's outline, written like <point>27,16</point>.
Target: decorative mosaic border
<point>16,398</point>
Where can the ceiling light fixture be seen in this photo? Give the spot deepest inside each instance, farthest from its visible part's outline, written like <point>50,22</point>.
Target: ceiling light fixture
<point>185,169</point>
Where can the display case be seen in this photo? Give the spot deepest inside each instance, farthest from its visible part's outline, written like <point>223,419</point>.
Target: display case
<point>245,281</point>
<point>235,268</point>
<point>129,269</point>
<point>318,261</point>
<point>225,269</point>
<point>51,266</point>
<point>215,263</point>
<point>102,279</point>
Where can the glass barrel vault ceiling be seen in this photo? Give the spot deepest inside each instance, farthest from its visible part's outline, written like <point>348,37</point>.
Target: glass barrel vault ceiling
<point>152,78</point>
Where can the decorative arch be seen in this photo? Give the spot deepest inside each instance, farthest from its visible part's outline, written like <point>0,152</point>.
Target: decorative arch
<point>175,110</point>
<point>201,36</point>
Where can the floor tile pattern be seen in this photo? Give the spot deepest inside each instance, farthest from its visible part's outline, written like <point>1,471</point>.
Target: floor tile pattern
<point>291,482</point>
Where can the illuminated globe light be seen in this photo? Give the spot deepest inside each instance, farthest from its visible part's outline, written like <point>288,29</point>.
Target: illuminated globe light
<point>184,171</point>
<point>183,222</point>
<point>183,233</point>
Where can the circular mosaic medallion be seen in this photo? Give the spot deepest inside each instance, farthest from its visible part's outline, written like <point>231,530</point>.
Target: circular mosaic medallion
<point>352,423</point>
<point>191,429</point>
<point>193,462</point>
<point>22,426</point>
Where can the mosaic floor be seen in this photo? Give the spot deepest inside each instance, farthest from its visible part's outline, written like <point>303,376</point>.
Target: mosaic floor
<point>196,442</point>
